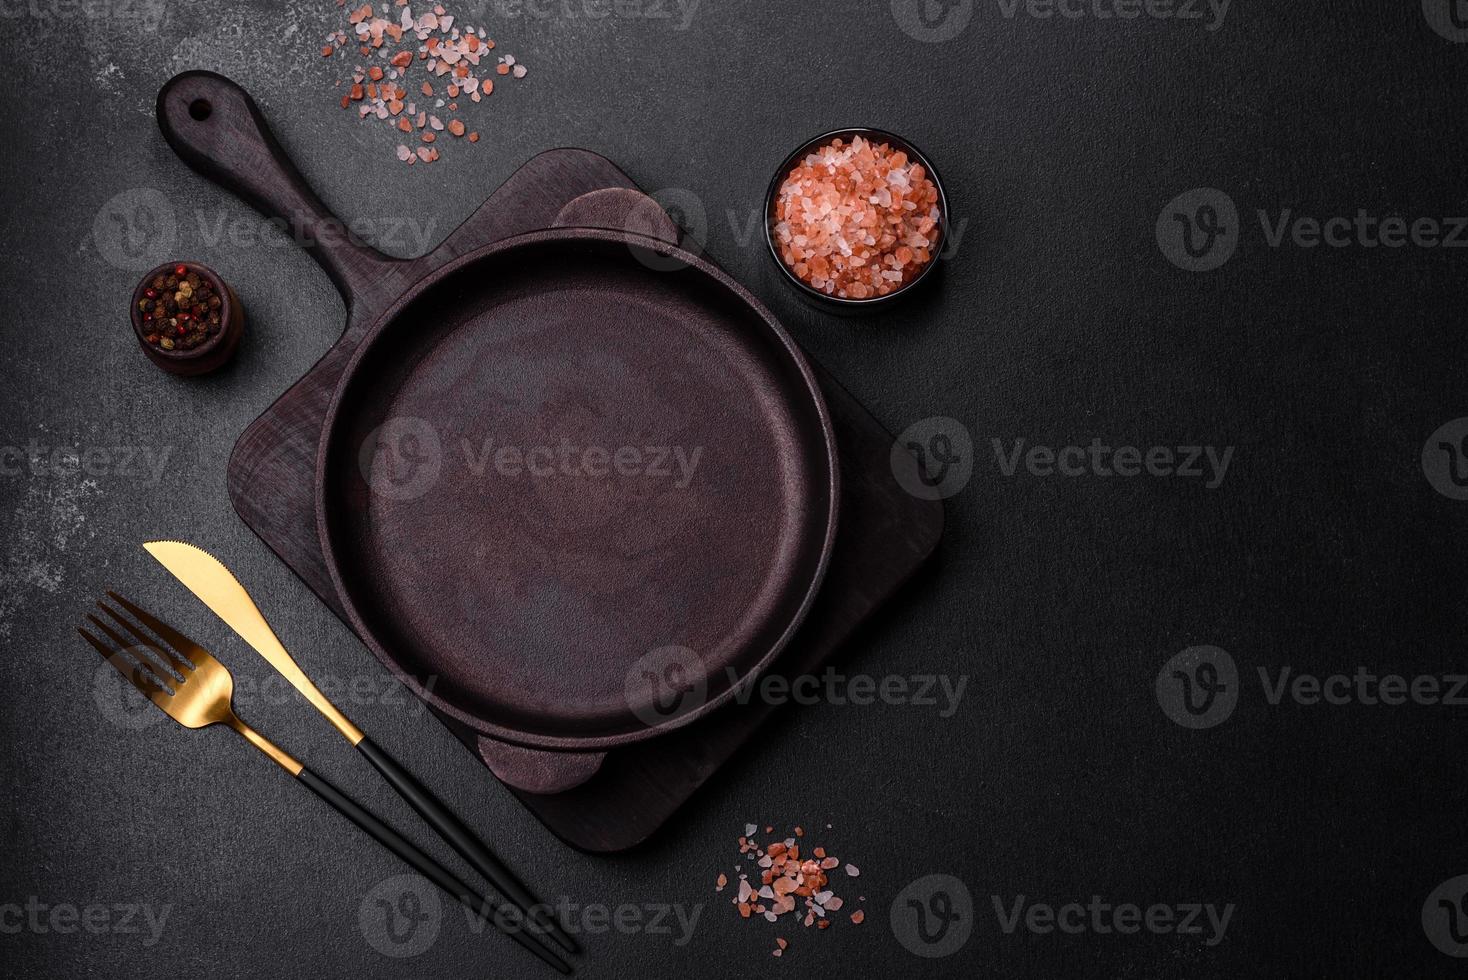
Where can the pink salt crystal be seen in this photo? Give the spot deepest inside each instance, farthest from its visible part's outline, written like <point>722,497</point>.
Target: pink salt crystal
<point>845,210</point>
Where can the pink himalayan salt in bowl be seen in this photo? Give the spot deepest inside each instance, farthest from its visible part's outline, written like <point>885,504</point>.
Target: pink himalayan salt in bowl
<point>856,217</point>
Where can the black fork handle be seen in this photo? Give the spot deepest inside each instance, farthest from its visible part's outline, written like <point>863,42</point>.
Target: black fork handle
<point>462,839</point>
<point>500,916</point>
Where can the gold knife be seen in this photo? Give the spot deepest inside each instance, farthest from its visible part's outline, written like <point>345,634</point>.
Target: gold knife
<point>206,577</point>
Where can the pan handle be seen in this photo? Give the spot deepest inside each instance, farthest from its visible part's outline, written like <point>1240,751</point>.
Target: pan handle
<point>216,128</point>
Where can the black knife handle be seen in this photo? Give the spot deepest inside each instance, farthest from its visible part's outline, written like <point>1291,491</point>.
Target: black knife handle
<point>503,918</point>
<point>462,839</point>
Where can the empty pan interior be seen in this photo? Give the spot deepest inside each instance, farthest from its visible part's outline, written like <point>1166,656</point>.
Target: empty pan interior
<point>556,462</point>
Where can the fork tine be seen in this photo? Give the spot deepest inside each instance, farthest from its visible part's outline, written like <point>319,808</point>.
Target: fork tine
<point>182,645</point>
<point>130,671</point>
<point>176,663</point>
<point>124,648</point>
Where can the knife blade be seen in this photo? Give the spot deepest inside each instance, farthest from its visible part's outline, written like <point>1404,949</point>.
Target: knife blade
<point>206,577</point>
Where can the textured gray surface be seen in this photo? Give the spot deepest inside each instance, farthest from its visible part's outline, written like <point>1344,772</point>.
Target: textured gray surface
<point>1057,321</point>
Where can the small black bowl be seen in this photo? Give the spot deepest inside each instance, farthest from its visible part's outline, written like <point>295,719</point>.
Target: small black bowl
<point>840,304</point>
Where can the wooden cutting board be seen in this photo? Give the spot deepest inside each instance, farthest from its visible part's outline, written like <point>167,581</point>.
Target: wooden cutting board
<point>885,533</point>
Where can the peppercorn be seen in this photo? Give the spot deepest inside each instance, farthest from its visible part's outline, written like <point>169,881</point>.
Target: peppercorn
<point>181,309</point>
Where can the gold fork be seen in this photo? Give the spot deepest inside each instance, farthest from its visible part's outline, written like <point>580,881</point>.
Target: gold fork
<point>197,691</point>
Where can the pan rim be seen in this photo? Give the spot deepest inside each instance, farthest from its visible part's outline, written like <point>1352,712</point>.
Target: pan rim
<point>331,434</point>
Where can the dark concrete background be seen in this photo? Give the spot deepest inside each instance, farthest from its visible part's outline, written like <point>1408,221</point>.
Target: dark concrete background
<point>1059,320</point>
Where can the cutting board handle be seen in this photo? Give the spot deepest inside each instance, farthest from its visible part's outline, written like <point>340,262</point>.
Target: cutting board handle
<point>216,128</point>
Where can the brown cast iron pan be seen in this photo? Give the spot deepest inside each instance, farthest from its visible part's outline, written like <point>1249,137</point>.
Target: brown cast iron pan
<point>575,488</point>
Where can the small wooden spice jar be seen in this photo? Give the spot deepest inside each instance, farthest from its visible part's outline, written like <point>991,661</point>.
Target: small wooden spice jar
<point>216,349</point>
